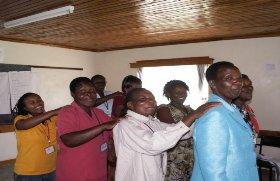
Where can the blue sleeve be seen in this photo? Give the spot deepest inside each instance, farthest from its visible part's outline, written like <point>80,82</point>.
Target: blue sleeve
<point>211,136</point>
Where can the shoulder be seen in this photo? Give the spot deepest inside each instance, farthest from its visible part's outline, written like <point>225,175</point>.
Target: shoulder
<point>127,122</point>
<point>21,117</point>
<point>213,116</point>
<point>67,115</point>
<point>68,109</point>
<point>54,119</point>
<point>215,123</point>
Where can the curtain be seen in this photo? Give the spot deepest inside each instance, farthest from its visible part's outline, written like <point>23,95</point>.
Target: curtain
<point>201,68</point>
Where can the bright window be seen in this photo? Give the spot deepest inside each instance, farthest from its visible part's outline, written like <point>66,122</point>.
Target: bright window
<point>154,79</point>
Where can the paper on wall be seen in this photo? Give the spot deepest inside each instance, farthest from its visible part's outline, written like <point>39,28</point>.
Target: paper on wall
<point>5,105</point>
<point>20,83</point>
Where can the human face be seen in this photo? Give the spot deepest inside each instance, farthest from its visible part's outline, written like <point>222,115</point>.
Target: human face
<point>132,86</point>
<point>178,95</point>
<point>144,103</point>
<point>85,95</point>
<point>247,90</point>
<point>99,84</point>
<point>228,83</point>
<point>34,105</point>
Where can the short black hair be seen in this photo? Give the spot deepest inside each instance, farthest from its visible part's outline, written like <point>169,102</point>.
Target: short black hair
<point>19,107</point>
<point>172,84</point>
<point>97,76</point>
<point>77,82</point>
<point>131,96</point>
<point>129,80</point>
<point>212,71</point>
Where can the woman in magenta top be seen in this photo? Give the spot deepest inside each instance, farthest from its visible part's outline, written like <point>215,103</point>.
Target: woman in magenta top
<point>82,136</point>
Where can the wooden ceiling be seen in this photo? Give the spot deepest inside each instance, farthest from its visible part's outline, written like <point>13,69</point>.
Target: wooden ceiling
<point>102,25</point>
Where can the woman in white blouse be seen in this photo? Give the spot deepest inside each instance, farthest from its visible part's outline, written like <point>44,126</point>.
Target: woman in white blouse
<point>141,140</point>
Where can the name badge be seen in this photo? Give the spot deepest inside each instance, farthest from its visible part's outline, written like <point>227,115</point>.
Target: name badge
<point>49,150</point>
<point>104,147</point>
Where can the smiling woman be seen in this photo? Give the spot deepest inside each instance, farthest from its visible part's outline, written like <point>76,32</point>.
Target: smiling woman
<point>83,135</point>
<point>36,139</point>
<point>179,158</point>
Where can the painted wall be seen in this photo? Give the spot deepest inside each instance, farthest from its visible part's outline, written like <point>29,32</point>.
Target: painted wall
<point>54,83</point>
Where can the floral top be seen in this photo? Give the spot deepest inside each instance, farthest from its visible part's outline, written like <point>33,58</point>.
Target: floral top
<point>180,158</point>
<point>250,118</point>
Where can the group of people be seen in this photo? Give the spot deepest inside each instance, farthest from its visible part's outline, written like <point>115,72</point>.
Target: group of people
<point>169,142</point>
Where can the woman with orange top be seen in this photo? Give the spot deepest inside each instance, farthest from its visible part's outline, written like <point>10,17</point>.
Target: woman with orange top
<point>36,140</point>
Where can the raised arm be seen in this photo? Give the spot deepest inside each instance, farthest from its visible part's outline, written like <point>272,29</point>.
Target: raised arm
<point>24,124</point>
<point>106,98</point>
<point>77,138</point>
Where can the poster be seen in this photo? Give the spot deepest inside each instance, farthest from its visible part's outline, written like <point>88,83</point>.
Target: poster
<point>5,104</point>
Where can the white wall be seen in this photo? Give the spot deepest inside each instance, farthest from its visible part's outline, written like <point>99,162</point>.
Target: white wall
<point>54,83</point>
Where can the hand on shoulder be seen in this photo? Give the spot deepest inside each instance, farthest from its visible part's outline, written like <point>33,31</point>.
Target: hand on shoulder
<point>201,110</point>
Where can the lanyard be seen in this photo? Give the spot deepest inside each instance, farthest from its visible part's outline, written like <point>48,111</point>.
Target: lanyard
<point>99,123</point>
<point>161,154</point>
<point>149,127</point>
<point>106,105</point>
<point>47,133</point>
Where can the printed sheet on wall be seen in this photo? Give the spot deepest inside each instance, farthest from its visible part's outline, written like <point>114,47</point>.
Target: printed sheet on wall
<point>13,85</point>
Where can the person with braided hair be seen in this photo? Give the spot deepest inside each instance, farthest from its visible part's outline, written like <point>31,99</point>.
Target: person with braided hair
<point>36,139</point>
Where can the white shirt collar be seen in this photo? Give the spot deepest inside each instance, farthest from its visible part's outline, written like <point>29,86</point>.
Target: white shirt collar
<point>139,116</point>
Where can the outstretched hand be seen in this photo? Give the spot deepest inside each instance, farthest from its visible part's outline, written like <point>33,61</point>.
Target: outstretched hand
<point>190,119</point>
<point>204,108</point>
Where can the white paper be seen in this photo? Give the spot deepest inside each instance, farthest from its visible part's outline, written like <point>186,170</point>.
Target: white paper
<point>35,82</point>
<point>270,69</point>
<point>5,106</point>
<point>20,83</point>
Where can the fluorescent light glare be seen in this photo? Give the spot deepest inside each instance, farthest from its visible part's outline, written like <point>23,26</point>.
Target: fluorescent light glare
<point>40,16</point>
